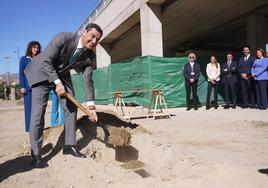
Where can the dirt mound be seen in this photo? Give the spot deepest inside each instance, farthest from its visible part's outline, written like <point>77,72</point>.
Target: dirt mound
<point>113,135</point>
<point>110,130</point>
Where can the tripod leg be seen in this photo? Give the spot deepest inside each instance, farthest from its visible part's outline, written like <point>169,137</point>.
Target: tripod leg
<point>116,103</point>
<point>155,106</point>
<point>165,106</point>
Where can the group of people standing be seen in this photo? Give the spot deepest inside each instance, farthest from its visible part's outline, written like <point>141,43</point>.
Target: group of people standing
<point>251,71</point>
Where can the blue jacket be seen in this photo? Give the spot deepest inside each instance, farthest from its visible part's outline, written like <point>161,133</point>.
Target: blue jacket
<point>260,68</point>
<point>24,61</point>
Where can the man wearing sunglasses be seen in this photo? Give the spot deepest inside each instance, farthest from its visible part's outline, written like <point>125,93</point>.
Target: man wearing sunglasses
<point>191,74</point>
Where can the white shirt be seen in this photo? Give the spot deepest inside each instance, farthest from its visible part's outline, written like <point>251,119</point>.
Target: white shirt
<point>246,57</point>
<point>213,73</point>
<point>79,45</point>
<point>29,57</point>
<point>192,65</point>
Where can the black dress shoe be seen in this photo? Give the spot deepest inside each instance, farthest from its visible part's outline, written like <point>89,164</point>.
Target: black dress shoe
<point>38,162</point>
<point>263,171</point>
<point>188,108</point>
<point>226,106</point>
<point>72,150</point>
<point>233,106</point>
<point>207,107</point>
<point>195,108</point>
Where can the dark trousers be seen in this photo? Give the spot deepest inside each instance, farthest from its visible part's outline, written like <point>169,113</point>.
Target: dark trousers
<point>261,92</point>
<point>230,93</point>
<point>191,87</point>
<point>248,91</point>
<point>210,86</point>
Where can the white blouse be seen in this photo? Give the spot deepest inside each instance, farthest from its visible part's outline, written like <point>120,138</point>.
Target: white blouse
<point>213,73</point>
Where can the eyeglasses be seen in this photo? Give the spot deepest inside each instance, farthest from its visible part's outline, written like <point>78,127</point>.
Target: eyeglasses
<point>191,57</point>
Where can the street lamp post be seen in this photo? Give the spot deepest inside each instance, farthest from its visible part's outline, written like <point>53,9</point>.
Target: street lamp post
<point>18,52</point>
<point>8,73</point>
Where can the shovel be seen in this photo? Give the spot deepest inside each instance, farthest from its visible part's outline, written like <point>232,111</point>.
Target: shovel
<point>76,103</point>
<point>112,135</point>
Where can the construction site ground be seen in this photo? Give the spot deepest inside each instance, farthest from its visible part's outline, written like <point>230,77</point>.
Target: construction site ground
<point>204,148</point>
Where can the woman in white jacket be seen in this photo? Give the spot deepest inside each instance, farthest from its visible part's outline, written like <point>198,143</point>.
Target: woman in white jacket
<point>213,73</point>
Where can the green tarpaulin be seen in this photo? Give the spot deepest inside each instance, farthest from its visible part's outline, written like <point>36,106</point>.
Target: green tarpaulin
<point>142,73</point>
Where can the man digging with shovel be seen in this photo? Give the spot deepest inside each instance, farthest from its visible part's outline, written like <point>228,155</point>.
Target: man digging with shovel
<point>51,68</point>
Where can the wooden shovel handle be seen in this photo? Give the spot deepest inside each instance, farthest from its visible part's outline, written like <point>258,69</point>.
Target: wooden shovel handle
<point>80,106</point>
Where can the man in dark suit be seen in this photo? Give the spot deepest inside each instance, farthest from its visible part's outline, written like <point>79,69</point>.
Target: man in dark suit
<point>229,80</point>
<point>51,69</point>
<point>247,82</point>
<point>191,74</point>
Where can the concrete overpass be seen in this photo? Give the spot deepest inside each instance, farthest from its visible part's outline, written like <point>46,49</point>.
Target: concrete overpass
<point>172,27</point>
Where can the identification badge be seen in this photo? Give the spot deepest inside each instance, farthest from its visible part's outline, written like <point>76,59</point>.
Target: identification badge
<point>192,73</point>
<point>225,69</point>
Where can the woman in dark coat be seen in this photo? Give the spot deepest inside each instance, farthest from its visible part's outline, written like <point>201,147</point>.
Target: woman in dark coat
<point>32,51</point>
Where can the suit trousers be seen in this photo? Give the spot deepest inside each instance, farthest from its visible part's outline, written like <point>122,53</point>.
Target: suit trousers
<point>261,90</point>
<point>27,98</point>
<point>191,87</point>
<point>248,91</point>
<point>230,93</point>
<point>40,95</point>
<point>210,86</point>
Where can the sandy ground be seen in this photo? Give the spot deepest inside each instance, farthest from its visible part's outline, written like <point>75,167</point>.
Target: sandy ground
<point>215,148</point>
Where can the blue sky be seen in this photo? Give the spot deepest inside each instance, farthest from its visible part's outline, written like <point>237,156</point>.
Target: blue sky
<point>25,20</point>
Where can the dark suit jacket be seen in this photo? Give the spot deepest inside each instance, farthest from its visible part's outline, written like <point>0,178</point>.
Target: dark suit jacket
<point>245,66</point>
<point>187,71</point>
<point>229,75</point>
<point>53,63</point>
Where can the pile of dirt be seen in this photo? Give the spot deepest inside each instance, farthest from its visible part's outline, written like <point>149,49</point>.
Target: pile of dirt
<point>118,136</point>
<point>109,134</point>
<point>111,130</point>
<point>53,136</point>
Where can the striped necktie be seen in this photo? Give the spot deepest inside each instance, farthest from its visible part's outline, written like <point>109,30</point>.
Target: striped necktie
<point>76,55</point>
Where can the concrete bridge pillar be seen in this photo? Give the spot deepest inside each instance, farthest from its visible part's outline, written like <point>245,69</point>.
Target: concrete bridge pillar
<point>103,57</point>
<point>256,31</point>
<point>151,29</point>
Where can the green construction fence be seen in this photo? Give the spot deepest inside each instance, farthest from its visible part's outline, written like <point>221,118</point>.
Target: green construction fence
<point>143,73</point>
